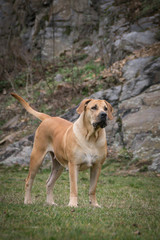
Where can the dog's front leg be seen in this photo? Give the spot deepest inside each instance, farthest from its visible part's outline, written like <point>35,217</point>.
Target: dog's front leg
<point>94,175</point>
<point>73,173</point>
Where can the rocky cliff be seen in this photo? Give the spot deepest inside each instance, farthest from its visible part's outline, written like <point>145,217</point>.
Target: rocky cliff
<point>121,34</point>
<point>108,28</point>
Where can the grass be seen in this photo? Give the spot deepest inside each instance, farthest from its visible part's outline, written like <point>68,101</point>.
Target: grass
<point>78,74</point>
<point>130,208</point>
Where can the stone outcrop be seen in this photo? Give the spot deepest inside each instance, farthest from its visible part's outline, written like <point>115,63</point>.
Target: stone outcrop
<point>18,152</point>
<point>49,28</point>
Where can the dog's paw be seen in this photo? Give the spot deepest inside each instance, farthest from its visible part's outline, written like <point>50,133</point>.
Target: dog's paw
<point>96,205</point>
<point>26,202</point>
<point>51,203</point>
<point>72,204</point>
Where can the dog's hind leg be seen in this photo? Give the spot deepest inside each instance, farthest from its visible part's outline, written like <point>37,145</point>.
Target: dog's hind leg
<point>56,171</point>
<point>35,162</point>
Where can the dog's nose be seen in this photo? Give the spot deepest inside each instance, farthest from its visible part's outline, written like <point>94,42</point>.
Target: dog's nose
<point>103,115</point>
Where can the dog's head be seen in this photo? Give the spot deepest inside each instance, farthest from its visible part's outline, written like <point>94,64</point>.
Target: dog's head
<point>96,111</point>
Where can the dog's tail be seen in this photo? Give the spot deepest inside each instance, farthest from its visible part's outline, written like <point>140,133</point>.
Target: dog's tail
<point>38,115</point>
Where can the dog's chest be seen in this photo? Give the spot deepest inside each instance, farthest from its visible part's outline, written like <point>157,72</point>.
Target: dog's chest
<point>87,159</point>
<point>88,151</point>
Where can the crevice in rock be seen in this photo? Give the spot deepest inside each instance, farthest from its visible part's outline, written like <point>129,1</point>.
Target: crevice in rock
<point>120,121</point>
<point>120,130</point>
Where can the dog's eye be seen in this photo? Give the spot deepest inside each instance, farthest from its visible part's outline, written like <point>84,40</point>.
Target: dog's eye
<point>105,108</point>
<point>94,107</point>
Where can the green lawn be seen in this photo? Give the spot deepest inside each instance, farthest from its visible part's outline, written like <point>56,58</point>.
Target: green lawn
<point>130,208</point>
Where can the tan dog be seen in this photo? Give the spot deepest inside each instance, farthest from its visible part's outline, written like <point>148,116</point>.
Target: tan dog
<point>77,146</point>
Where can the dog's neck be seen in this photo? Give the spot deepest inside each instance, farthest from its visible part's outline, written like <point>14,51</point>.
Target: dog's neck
<point>86,129</point>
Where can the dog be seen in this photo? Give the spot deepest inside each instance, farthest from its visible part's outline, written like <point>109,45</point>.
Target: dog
<point>76,146</point>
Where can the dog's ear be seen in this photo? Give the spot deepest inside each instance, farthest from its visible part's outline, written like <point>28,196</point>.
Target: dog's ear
<point>82,105</point>
<point>110,110</point>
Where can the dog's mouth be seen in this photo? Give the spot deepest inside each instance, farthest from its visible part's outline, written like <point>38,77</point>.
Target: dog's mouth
<point>101,124</point>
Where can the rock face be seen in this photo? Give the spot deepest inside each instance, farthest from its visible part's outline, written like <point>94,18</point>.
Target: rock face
<point>49,28</point>
<point>130,41</point>
<point>18,152</point>
<point>140,121</point>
